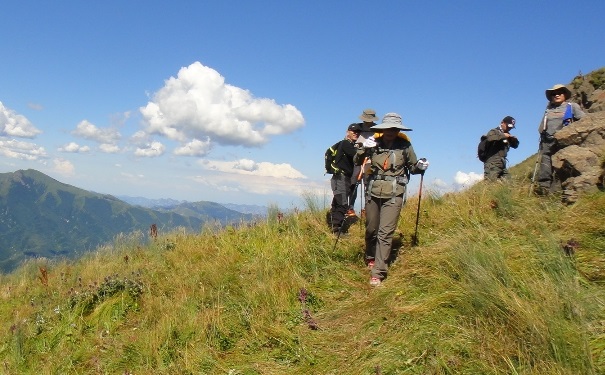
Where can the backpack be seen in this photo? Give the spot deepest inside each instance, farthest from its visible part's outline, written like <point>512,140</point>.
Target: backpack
<point>483,149</point>
<point>332,157</point>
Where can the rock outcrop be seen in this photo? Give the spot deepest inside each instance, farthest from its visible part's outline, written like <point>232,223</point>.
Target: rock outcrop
<point>580,163</point>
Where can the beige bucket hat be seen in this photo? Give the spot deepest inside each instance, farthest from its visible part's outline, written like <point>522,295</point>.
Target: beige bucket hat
<point>368,115</point>
<point>556,87</point>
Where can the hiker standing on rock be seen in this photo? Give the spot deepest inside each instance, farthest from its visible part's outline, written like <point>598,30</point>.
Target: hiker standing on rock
<point>342,182</point>
<point>499,141</point>
<point>392,160</point>
<point>559,112</point>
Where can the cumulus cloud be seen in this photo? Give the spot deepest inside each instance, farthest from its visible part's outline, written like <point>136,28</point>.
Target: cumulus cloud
<point>198,104</point>
<point>150,150</point>
<point>73,147</point>
<point>21,150</point>
<point>140,138</point>
<point>250,167</point>
<point>464,180</point>
<point>461,181</point>
<point>16,125</point>
<point>194,148</point>
<point>109,148</point>
<point>89,131</point>
<point>64,167</point>
<point>252,183</point>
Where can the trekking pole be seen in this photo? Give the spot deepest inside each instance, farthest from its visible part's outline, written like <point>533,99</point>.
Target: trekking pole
<point>533,177</point>
<point>339,232</point>
<point>415,237</point>
<point>363,196</point>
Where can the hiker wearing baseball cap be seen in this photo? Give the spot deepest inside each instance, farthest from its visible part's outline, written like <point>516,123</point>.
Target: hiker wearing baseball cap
<point>559,112</point>
<point>392,159</point>
<point>342,182</point>
<point>498,142</point>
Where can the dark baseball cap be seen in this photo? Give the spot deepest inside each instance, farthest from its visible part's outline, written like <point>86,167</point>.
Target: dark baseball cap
<point>354,128</point>
<point>509,120</point>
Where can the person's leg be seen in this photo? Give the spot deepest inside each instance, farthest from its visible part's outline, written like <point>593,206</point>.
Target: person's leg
<point>339,201</point>
<point>492,168</point>
<point>353,198</point>
<point>545,169</point>
<point>389,216</point>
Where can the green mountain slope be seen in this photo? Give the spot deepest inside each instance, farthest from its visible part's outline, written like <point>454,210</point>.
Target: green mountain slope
<point>42,217</point>
<point>501,283</point>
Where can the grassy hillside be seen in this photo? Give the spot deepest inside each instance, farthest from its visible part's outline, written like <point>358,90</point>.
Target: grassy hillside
<point>500,283</point>
<point>42,217</point>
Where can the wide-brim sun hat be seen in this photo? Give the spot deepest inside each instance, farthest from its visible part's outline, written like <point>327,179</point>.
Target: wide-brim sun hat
<point>368,115</point>
<point>391,120</point>
<point>556,87</point>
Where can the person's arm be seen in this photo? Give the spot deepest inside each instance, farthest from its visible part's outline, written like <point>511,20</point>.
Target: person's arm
<point>577,111</point>
<point>495,136</point>
<point>513,141</point>
<point>412,161</point>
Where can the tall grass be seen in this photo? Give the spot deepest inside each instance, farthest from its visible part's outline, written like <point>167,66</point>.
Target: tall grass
<point>489,289</point>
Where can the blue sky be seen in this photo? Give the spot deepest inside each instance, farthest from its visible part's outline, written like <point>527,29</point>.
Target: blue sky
<point>236,102</point>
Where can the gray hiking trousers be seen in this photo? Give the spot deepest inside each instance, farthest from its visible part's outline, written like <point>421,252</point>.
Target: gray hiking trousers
<point>382,215</point>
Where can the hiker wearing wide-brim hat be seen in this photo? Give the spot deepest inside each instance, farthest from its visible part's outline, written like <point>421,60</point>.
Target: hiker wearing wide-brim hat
<point>559,112</point>
<point>368,115</point>
<point>391,121</point>
<point>392,160</point>
<point>556,89</point>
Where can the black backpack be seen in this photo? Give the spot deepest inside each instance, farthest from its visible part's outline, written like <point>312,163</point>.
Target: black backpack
<point>332,157</point>
<point>483,149</point>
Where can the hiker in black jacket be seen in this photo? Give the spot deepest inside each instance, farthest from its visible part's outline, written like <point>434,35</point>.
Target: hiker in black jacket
<point>342,182</point>
<point>499,142</point>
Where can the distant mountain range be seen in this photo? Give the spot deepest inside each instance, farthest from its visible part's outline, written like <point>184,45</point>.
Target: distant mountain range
<point>167,203</point>
<point>42,217</point>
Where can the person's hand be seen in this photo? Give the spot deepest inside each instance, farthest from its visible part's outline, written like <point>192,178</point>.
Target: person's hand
<point>422,164</point>
<point>369,143</point>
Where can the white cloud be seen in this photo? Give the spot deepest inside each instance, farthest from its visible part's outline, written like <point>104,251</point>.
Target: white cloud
<point>139,138</point>
<point>150,150</point>
<point>194,148</point>
<point>250,177</point>
<point>74,148</point>
<point>461,181</point>
<point>21,150</point>
<point>257,184</point>
<point>109,148</point>
<point>465,180</point>
<point>16,125</point>
<point>89,131</point>
<point>198,104</point>
<point>250,167</point>
<point>63,167</point>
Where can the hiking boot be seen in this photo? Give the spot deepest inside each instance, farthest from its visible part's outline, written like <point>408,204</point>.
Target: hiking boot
<point>374,281</point>
<point>370,264</point>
